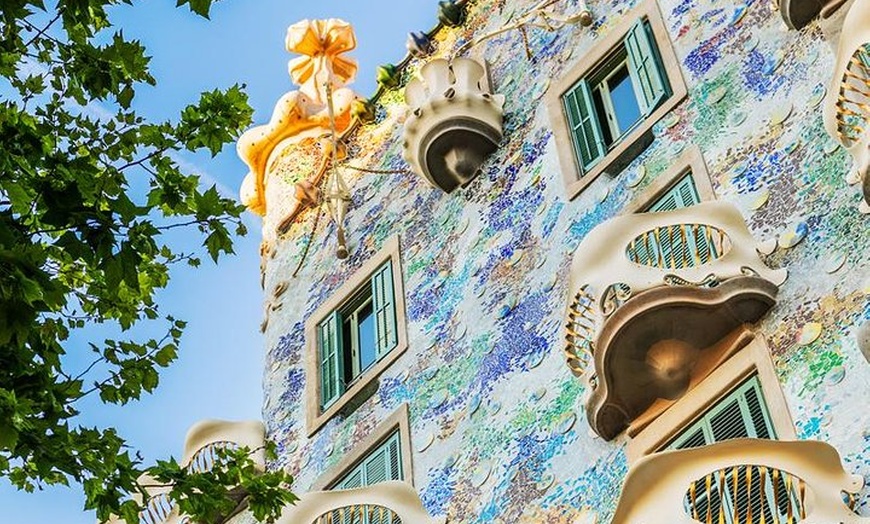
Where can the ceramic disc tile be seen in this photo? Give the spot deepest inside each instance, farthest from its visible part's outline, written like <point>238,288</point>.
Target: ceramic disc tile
<point>750,45</point>
<point>766,247</point>
<point>473,404</point>
<point>809,333</point>
<point>427,441</point>
<point>566,422</point>
<point>835,262</point>
<point>759,200</point>
<point>781,114</point>
<point>864,208</point>
<point>601,196</point>
<point>635,177</point>
<point>835,376</point>
<point>817,95</point>
<point>717,95</point>
<point>480,474</point>
<point>793,235</point>
<point>853,177</point>
<point>737,118</point>
<point>830,147</point>
<point>439,398</point>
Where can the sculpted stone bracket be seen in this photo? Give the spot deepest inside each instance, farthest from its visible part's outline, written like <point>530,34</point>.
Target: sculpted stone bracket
<point>387,502</point>
<point>847,102</point>
<point>655,293</point>
<point>455,122</point>
<point>660,487</point>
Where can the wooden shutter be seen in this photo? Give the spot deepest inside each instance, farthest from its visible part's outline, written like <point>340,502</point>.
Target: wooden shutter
<point>647,73</point>
<point>331,360</point>
<point>585,128</point>
<point>741,414</point>
<point>683,194</point>
<point>384,304</point>
<point>380,465</point>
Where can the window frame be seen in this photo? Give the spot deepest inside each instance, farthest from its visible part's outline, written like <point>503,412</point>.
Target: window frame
<point>359,388</point>
<point>574,178</point>
<point>399,420</point>
<point>743,363</point>
<point>691,161</point>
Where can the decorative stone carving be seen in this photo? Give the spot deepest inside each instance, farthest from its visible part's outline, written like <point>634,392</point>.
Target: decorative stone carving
<point>455,122</point>
<point>662,487</point>
<point>656,295</point>
<point>847,103</point>
<point>303,115</point>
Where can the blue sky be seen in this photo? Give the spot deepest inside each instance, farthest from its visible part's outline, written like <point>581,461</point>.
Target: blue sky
<point>218,374</point>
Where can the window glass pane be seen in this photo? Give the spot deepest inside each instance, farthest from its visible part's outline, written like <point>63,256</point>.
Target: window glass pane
<point>366,333</point>
<point>624,100</point>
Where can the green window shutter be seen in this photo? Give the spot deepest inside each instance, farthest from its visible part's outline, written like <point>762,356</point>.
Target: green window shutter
<point>384,303</point>
<point>586,135</point>
<point>683,194</point>
<point>331,361</point>
<point>382,464</point>
<point>647,73</point>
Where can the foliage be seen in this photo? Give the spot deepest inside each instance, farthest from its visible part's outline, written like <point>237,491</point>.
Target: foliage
<point>87,190</point>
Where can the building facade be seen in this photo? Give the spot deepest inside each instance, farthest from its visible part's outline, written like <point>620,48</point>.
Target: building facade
<point>565,255</point>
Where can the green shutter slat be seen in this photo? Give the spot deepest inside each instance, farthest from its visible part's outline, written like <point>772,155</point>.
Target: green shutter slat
<point>376,467</point>
<point>646,71</point>
<point>352,480</point>
<point>384,304</point>
<point>394,457</point>
<point>586,134</point>
<point>331,362</point>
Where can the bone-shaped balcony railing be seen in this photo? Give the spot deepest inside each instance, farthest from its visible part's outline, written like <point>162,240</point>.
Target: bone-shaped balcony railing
<point>384,503</point>
<point>650,294</point>
<point>202,450</point>
<point>741,481</point>
<point>847,102</point>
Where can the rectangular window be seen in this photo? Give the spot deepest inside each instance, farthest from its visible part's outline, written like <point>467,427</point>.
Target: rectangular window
<point>356,335</point>
<point>742,413</point>
<point>606,104</point>
<point>382,464</point>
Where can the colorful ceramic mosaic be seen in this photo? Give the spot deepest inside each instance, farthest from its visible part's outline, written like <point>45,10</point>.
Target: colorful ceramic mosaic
<point>498,428</point>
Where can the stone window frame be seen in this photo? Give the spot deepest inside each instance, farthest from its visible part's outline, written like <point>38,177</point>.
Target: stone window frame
<point>753,359</point>
<point>690,161</point>
<point>361,387</point>
<point>399,421</point>
<point>574,179</point>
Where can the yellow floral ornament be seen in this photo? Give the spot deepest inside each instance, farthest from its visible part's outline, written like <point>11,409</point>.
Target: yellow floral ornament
<point>302,114</point>
<point>321,42</point>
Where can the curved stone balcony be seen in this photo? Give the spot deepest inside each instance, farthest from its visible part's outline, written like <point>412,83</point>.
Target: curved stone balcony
<point>847,103</point>
<point>741,481</point>
<point>653,295</point>
<point>797,14</point>
<point>455,122</point>
<point>384,503</point>
<point>202,447</point>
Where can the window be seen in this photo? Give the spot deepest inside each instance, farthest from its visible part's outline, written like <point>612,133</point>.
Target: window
<point>356,335</point>
<point>380,465</point>
<point>351,338</point>
<point>742,413</point>
<point>603,107</point>
<point>683,194</point>
<point>603,110</point>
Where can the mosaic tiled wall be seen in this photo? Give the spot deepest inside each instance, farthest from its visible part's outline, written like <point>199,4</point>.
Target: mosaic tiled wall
<point>485,269</point>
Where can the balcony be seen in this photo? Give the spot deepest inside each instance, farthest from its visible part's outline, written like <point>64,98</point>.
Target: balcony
<point>384,503</point>
<point>797,14</point>
<point>741,481</point>
<point>655,297</point>
<point>201,452</point>
<point>847,103</point>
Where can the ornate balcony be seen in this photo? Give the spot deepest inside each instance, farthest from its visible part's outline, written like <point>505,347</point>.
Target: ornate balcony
<point>847,103</point>
<point>741,481</point>
<point>384,503</point>
<point>654,296</point>
<point>201,452</point>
